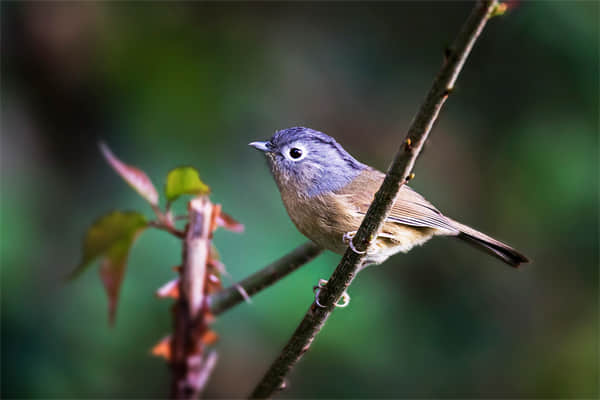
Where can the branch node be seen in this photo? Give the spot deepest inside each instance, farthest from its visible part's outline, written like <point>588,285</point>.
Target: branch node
<point>498,10</point>
<point>447,54</point>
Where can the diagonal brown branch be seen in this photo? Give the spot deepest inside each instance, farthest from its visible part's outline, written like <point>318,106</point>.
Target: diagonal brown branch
<point>227,298</point>
<point>396,176</point>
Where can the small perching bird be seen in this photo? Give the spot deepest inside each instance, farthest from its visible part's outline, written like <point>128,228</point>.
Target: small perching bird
<point>327,192</point>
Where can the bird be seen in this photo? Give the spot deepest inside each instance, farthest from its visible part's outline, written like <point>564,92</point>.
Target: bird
<point>327,193</point>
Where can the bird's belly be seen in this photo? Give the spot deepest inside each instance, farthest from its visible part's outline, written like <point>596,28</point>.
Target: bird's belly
<point>322,220</point>
<point>397,238</point>
<point>326,219</point>
<point>394,238</point>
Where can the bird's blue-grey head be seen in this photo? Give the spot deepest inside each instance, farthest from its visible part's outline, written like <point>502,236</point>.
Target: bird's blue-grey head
<point>308,162</point>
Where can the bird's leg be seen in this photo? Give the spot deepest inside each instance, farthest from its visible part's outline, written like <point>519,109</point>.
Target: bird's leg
<point>372,249</point>
<point>344,301</point>
<point>347,238</point>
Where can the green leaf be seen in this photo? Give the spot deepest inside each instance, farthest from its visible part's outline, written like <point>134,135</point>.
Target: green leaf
<point>184,180</point>
<point>110,238</point>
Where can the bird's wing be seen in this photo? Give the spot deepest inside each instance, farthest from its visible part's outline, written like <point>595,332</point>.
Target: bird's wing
<point>410,207</point>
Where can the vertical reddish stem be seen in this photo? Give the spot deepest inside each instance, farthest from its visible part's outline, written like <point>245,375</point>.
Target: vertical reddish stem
<point>187,362</point>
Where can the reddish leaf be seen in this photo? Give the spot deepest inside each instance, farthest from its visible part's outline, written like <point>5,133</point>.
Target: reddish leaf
<point>217,265</point>
<point>209,317</point>
<point>135,177</point>
<point>209,337</point>
<point>215,215</point>
<point>512,4</point>
<point>110,239</point>
<point>214,279</point>
<point>226,221</point>
<point>213,253</point>
<point>163,348</point>
<point>213,284</point>
<point>111,274</point>
<point>169,289</point>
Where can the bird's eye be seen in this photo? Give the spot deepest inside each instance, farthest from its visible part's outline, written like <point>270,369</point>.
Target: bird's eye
<point>295,152</point>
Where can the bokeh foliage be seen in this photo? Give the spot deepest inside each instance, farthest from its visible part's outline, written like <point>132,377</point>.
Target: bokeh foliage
<point>515,154</point>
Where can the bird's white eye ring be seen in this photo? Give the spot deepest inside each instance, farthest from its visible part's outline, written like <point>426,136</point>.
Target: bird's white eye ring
<point>295,153</point>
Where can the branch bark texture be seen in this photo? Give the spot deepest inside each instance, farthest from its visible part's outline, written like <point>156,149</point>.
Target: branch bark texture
<point>397,174</point>
<point>188,364</point>
<point>230,297</point>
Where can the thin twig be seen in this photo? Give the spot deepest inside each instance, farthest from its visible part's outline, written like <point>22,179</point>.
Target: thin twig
<point>171,229</point>
<point>227,298</point>
<point>398,173</point>
<point>164,221</point>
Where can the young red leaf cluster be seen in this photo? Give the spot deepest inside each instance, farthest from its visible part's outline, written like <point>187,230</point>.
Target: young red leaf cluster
<point>111,237</point>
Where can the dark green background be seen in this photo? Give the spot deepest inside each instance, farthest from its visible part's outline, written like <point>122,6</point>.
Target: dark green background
<point>515,154</point>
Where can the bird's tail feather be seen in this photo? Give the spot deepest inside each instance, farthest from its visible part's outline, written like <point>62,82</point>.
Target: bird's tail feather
<point>490,245</point>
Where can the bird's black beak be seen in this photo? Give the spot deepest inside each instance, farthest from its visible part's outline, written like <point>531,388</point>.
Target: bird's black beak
<point>262,146</point>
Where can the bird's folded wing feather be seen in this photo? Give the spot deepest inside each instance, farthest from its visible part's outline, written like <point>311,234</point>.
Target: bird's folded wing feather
<point>410,207</point>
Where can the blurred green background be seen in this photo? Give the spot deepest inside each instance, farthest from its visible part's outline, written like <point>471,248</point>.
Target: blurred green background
<point>515,154</point>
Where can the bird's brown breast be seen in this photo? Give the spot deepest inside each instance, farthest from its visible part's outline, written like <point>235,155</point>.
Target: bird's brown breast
<point>323,218</point>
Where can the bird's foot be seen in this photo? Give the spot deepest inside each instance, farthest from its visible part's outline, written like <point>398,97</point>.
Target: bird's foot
<point>347,238</point>
<point>344,300</point>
